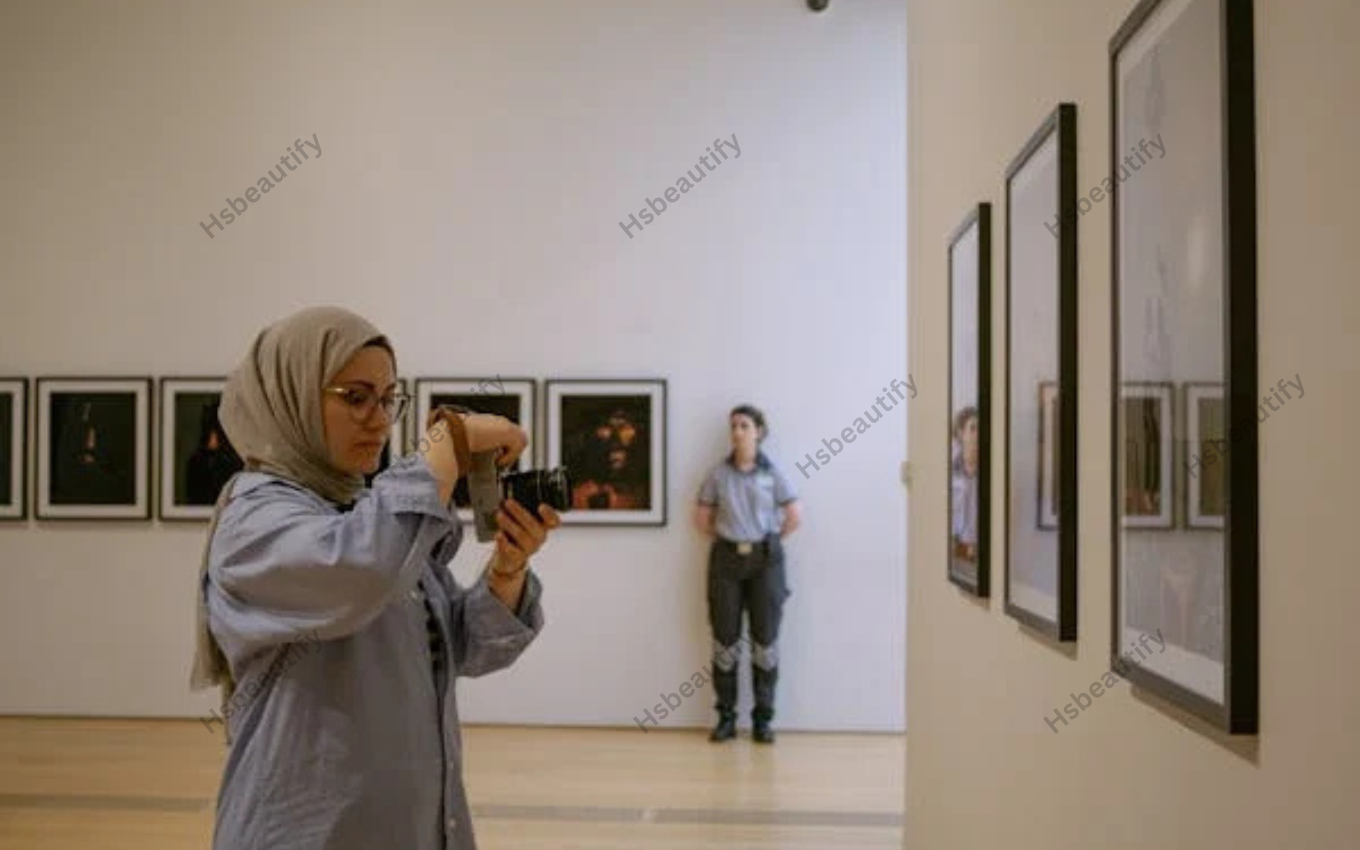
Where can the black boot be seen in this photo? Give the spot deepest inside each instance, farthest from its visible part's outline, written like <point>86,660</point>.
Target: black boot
<point>726,729</point>
<point>763,713</point>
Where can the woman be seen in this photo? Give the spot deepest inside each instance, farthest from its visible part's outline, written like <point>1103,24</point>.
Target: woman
<point>326,611</point>
<point>739,505</point>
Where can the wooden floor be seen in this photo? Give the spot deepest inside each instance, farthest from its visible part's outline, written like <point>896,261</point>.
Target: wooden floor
<point>151,785</point>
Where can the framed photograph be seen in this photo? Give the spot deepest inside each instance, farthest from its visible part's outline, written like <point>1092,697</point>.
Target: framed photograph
<point>94,448</point>
<point>513,398</point>
<point>611,436</point>
<point>1041,350</point>
<point>399,439</point>
<point>13,449</point>
<point>1047,502</point>
<point>196,458</point>
<point>970,357</point>
<point>1182,192</point>
<point>1206,450</point>
<point>1148,423</point>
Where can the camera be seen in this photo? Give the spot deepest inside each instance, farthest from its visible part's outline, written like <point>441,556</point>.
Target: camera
<point>488,488</point>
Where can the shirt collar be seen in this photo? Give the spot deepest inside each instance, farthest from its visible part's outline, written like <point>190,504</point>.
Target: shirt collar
<point>762,462</point>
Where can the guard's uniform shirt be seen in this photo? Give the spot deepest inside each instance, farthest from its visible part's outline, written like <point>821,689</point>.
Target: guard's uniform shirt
<point>747,503</point>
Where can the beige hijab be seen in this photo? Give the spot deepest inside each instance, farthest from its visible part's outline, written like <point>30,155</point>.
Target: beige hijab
<point>271,413</point>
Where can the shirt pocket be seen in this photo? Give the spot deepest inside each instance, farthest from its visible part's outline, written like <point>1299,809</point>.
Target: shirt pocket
<point>765,506</point>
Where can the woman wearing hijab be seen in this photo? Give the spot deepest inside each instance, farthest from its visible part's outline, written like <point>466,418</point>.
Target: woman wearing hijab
<point>326,611</point>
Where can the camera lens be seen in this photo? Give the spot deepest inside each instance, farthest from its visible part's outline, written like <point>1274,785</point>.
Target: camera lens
<point>537,487</point>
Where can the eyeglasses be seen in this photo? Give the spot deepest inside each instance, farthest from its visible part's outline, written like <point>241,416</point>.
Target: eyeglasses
<point>362,402</point>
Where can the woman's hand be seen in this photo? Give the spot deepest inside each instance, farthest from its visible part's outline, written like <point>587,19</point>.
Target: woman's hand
<point>521,535</point>
<point>486,432</point>
<point>437,450</point>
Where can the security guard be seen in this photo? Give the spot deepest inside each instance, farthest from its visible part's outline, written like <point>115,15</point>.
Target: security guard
<point>740,504</point>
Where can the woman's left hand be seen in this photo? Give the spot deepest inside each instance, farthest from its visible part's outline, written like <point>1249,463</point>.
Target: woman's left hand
<point>521,534</point>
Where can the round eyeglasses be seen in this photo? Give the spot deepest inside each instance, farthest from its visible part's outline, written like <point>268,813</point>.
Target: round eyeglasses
<point>362,401</point>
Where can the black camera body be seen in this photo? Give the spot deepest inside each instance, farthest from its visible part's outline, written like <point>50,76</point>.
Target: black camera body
<point>488,488</point>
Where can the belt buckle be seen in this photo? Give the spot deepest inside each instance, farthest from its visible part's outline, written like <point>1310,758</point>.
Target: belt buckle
<point>744,548</point>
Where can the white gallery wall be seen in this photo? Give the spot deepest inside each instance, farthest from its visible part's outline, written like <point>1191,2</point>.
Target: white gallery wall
<point>1131,771</point>
<point>475,163</point>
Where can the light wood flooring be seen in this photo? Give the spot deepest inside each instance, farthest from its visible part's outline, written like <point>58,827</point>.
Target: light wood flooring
<point>152,784</point>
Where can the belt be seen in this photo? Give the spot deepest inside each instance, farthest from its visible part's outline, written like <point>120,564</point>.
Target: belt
<point>747,547</point>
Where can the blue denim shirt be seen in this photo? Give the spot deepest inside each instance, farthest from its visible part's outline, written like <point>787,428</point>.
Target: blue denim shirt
<point>344,733</point>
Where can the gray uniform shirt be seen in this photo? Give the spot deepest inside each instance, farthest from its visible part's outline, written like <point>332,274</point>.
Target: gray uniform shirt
<point>344,735</point>
<point>747,503</point>
<point>964,501</point>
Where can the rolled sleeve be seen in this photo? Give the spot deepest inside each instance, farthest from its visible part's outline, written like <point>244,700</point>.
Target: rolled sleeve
<point>285,564</point>
<point>708,493</point>
<point>488,636</point>
<point>784,491</point>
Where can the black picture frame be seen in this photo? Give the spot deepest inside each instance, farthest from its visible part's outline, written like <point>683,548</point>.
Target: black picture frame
<point>14,418</point>
<point>126,405</point>
<point>560,447</point>
<point>170,450</point>
<point>1210,667</point>
<point>1041,281</point>
<point>969,261</point>
<point>514,398</point>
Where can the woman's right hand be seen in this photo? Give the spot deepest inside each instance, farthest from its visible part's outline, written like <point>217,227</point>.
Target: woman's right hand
<point>436,448</point>
<point>487,432</point>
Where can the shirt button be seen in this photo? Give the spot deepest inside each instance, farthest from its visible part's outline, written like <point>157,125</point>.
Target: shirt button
<point>415,595</point>
<point>453,824</point>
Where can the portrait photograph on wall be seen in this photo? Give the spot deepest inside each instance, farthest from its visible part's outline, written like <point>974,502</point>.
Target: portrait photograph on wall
<point>513,398</point>
<point>1041,352</point>
<point>611,436</point>
<point>13,449</point>
<point>970,283</point>
<point>1183,270</point>
<point>1205,465</point>
<point>196,458</point>
<point>94,448</point>
<point>1148,424</point>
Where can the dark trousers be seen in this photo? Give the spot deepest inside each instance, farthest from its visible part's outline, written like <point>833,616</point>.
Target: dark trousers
<point>756,584</point>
